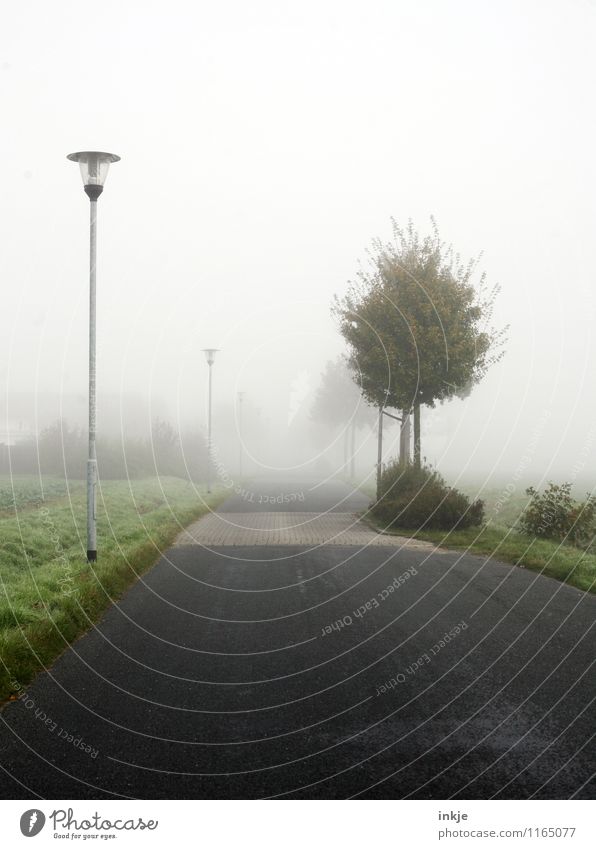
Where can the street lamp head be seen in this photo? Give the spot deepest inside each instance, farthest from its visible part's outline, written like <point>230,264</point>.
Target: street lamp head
<point>210,354</point>
<point>94,165</point>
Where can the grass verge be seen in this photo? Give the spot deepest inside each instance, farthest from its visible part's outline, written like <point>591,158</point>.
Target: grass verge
<point>566,563</point>
<point>49,594</point>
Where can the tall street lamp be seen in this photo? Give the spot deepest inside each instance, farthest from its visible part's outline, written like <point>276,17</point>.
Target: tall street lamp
<point>210,357</point>
<point>240,400</point>
<point>94,167</point>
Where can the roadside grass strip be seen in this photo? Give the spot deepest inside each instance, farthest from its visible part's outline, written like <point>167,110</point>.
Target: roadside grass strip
<point>49,594</point>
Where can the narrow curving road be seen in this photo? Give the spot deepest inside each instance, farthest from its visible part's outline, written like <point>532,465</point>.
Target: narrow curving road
<point>283,649</point>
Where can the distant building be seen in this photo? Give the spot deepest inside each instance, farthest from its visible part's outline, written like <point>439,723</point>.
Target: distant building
<point>13,433</point>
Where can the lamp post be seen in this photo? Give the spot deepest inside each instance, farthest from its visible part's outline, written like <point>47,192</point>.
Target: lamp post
<point>240,399</point>
<point>210,357</point>
<point>379,452</point>
<point>94,167</point>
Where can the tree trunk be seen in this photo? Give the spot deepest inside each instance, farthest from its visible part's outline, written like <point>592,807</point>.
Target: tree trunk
<point>404,439</point>
<point>353,453</point>
<point>417,460</point>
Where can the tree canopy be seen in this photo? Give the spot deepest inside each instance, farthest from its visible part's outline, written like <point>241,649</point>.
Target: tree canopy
<point>418,330</point>
<point>338,400</point>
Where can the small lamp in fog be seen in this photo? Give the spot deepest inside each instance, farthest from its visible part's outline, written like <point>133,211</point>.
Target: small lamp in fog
<point>210,357</point>
<point>94,165</point>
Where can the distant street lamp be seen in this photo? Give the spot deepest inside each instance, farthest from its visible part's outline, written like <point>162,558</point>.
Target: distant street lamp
<point>210,357</point>
<point>94,167</point>
<point>240,399</point>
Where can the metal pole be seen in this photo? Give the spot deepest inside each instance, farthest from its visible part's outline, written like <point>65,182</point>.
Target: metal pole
<point>240,433</point>
<point>92,456</point>
<point>380,453</point>
<point>209,434</point>
<point>417,459</point>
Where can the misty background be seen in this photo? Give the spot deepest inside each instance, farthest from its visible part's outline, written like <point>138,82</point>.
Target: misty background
<point>263,146</point>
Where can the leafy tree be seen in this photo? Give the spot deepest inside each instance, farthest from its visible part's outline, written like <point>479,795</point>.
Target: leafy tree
<point>339,402</point>
<point>61,449</point>
<point>417,328</point>
<point>338,399</point>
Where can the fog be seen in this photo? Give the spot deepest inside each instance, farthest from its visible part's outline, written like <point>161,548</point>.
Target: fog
<point>263,147</point>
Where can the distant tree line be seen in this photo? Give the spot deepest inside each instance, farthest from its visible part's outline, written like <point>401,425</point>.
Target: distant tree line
<point>61,450</point>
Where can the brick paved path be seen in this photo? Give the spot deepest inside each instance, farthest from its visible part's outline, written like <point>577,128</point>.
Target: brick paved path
<point>221,529</point>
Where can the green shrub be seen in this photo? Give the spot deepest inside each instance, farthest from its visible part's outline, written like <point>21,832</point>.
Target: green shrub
<point>419,498</point>
<point>555,515</point>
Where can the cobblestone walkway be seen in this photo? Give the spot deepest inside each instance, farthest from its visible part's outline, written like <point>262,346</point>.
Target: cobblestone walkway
<point>221,529</point>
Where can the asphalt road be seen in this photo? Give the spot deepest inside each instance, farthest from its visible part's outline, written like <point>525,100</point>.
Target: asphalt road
<point>293,672</point>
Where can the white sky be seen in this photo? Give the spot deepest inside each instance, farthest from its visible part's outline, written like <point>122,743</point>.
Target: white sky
<point>263,146</point>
